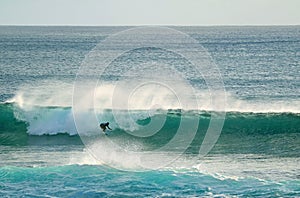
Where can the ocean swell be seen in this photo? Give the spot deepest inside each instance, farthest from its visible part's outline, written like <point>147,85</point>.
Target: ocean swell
<point>17,123</point>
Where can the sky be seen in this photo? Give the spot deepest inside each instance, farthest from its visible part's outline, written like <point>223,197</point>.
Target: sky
<point>149,12</point>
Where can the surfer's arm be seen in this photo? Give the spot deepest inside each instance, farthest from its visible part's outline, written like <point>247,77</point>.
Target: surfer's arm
<point>109,128</point>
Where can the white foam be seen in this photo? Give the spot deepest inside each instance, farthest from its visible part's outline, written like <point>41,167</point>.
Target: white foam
<point>43,121</point>
<point>148,97</point>
<point>31,100</point>
<point>45,93</point>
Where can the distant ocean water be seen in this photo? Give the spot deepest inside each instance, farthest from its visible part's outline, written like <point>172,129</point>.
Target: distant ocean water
<point>256,155</point>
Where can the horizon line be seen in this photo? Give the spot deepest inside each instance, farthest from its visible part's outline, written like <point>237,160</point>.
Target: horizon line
<point>128,25</point>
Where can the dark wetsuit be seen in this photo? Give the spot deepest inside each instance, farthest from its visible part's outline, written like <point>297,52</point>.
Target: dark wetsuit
<point>104,125</point>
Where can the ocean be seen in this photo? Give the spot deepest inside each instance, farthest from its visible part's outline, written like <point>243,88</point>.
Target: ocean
<point>194,111</point>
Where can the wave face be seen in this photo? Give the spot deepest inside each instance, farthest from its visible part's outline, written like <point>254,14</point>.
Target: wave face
<point>259,131</point>
<point>38,120</point>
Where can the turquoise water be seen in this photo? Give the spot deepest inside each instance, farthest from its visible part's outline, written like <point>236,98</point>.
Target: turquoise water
<point>85,181</point>
<point>42,154</point>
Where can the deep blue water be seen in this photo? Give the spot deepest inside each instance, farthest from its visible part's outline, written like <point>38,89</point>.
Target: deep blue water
<point>43,154</point>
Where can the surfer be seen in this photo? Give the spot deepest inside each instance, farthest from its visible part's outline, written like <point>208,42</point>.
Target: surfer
<point>104,125</point>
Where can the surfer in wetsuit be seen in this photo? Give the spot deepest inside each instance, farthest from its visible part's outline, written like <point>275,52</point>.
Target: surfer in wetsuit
<point>104,125</point>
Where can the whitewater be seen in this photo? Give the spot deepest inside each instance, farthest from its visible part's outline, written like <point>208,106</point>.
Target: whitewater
<point>51,143</point>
